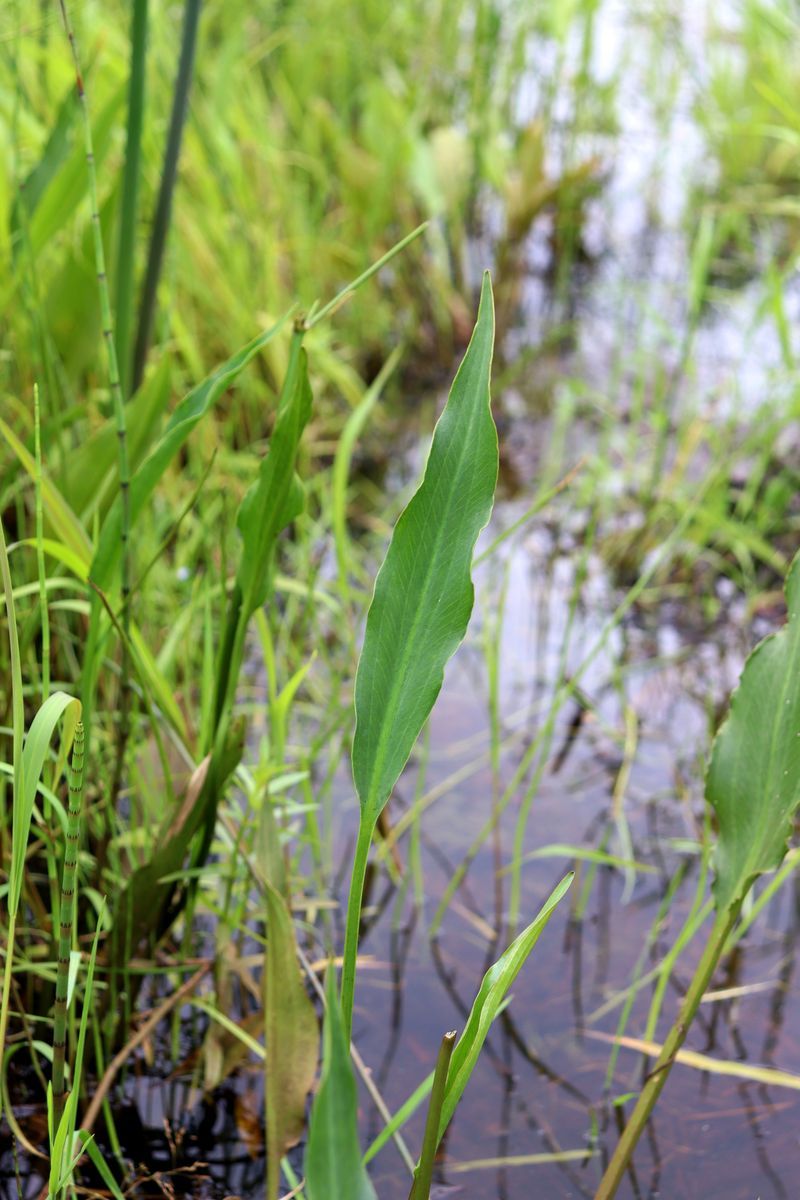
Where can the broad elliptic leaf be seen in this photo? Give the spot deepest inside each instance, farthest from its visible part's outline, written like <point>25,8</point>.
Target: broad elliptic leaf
<point>333,1163</point>
<point>291,1039</point>
<point>423,592</point>
<point>493,990</point>
<point>753,779</point>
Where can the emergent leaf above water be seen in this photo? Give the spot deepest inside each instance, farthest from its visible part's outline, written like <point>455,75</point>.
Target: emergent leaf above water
<point>753,779</point>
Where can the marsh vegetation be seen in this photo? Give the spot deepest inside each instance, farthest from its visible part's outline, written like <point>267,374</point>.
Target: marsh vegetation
<point>398,478</point>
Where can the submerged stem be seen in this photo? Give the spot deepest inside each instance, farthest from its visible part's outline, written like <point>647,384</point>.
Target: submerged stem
<point>658,1076</point>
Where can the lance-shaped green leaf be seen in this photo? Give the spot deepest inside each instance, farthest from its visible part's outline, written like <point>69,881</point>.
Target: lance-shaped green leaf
<point>275,499</point>
<point>753,780</point>
<point>423,592</point>
<point>422,603</point>
<point>291,1039</point>
<point>333,1163</point>
<point>277,496</point>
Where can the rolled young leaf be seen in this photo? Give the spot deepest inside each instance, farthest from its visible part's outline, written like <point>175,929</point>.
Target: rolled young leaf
<point>493,990</point>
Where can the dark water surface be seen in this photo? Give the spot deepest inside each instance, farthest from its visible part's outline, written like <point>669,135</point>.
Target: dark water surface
<point>539,1088</point>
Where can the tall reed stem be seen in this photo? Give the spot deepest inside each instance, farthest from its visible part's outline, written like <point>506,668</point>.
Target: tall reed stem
<point>161,220</point>
<point>67,919</point>
<point>118,406</point>
<point>658,1076</point>
<point>126,255</point>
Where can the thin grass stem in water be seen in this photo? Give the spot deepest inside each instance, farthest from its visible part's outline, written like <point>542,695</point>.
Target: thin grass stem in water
<point>117,403</point>
<point>67,918</point>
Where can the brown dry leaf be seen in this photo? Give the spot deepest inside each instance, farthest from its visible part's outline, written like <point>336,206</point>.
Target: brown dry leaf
<point>249,1124</point>
<point>292,1038</point>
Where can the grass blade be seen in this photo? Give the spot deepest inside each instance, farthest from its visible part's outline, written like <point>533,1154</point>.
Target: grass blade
<point>188,413</point>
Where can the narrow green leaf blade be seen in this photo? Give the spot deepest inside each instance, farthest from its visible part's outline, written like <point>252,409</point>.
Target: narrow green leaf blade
<point>423,592</point>
<point>37,744</point>
<point>496,983</point>
<point>291,1039</point>
<point>753,780</point>
<point>277,496</point>
<point>191,409</point>
<point>64,521</point>
<point>91,472</point>
<point>333,1158</point>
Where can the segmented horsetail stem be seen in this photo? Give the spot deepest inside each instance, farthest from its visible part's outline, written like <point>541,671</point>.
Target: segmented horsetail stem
<point>67,917</point>
<point>115,388</point>
<point>44,615</point>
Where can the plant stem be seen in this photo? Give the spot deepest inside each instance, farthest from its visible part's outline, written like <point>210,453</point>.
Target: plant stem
<point>67,919</point>
<point>17,733</point>
<point>44,613</point>
<point>118,406</point>
<point>126,254</point>
<point>161,219</point>
<point>421,1187</point>
<point>677,1035</point>
<point>353,922</point>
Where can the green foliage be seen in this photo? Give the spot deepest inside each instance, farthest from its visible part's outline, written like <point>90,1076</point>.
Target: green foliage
<point>423,592</point>
<point>753,783</point>
<point>493,990</point>
<point>753,778</point>
<point>310,146</point>
<point>422,602</point>
<point>194,406</point>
